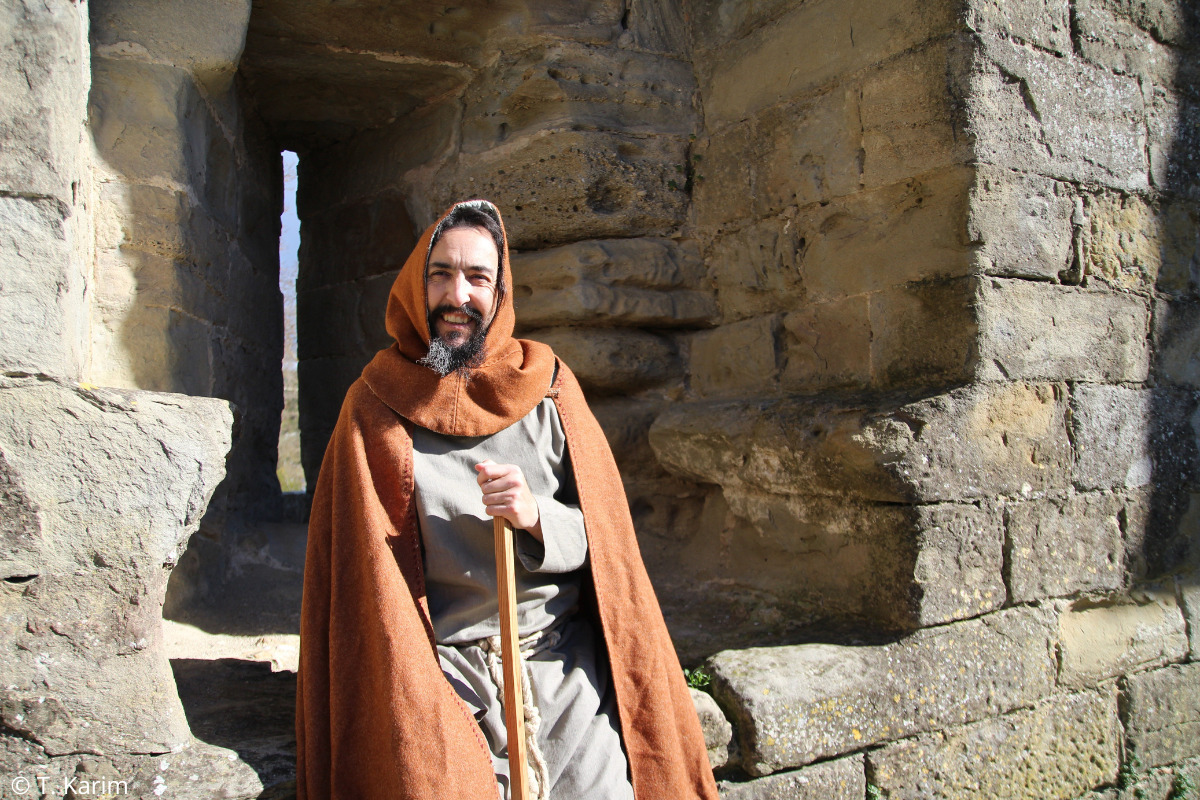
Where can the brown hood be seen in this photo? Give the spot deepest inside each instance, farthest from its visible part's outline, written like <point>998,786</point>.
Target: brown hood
<point>512,379</point>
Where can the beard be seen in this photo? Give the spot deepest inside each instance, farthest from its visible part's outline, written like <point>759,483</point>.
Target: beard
<point>444,357</point>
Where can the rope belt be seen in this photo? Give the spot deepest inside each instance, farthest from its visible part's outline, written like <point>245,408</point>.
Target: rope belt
<point>530,646</point>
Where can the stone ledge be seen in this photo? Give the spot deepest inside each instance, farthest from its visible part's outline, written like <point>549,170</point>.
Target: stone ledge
<point>841,779</point>
<point>1162,714</point>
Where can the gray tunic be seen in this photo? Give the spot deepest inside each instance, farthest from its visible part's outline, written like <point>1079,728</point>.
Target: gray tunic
<point>569,681</point>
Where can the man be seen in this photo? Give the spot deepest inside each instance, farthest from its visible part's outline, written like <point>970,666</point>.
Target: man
<point>455,424</point>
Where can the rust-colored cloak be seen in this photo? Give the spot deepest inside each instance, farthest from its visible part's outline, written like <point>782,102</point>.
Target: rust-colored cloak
<point>375,717</point>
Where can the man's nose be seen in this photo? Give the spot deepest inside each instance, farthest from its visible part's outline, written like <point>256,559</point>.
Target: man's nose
<point>460,290</point>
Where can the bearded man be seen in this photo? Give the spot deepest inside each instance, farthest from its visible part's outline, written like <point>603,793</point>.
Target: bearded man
<point>455,424</point>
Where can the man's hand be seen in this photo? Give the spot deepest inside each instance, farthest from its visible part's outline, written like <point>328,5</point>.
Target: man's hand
<point>506,494</point>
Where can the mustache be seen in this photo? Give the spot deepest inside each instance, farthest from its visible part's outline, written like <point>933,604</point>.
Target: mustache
<point>446,308</point>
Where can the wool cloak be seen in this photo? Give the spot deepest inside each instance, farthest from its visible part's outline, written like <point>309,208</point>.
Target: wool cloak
<point>375,716</point>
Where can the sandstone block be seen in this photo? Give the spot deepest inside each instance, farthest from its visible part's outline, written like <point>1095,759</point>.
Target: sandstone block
<point>1173,122</point>
<point>566,186</point>
<point>644,282</point>
<point>85,669</point>
<point>1103,640</point>
<point>794,705</point>
<point>323,386</point>
<point>355,240</point>
<point>1023,224</point>
<point>840,779</point>
<point>1109,38</point>
<point>737,358</point>
<point>207,41</point>
<point>570,86</point>
<point>1045,23</point>
<point>718,733</point>
<point>719,22</point>
<point>1189,600</point>
<point>1063,546</point>
<point>1058,117</point>
<point>827,345</point>
<point>757,269</point>
<point>1163,717</point>
<point>614,360</point>
<point>728,157</point>
<point>41,288</point>
<point>960,559</point>
<point>1040,331</point>
<point>1057,750</point>
<point>43,97</point>
<point>808,48</point>
<point>923,334</point>
<point>328,322</point>
<point>1135,245</point>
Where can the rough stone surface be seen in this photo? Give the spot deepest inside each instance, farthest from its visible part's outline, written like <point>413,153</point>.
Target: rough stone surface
<point>718,733</point>
<point>794,705</point>
<point>84,664</point>
<point>1039,331</point>
<point>923,335</point>
<point>960,559</point>
<point>617,360</point>
<point>1059,749</point>
<point>1045,23</point>
<point>1061,546</point>
<point>827,345</point>
<point>1162,715</point>
<point>1023,224</point>
<point>1189,597</point>
<point>735,359</point>
<point>840,779</point>
<point>1177,342</point>
<point>1101,640</point>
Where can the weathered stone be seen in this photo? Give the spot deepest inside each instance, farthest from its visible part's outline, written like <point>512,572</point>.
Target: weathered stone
<point>827,345</point>
<point>809,47</point>
<point>206,40</point>
<point>1127,437</point>
<point>1109,38</point>
<point>1023,224</point>
<point>1040,331</point>
<point>630,282</point>
<point>565,186</point>
<point>323,386</point>
<point>614,360</point>
<point>1177,342</point>
<point>728,158</point>
<point>719,22</point>
<point>839,779</point>
<point>1162,717</point>
<point>568,86</point>
<point>756,269</point>
<point>354,240</point>
<point>1045,23</point>
<point>960,557</point>
<point>1174,125</point>
<point>1133,245</point>
<point>1059,547</point>
<point>42,282</point>
<point>1189,600</point>
<point>923,334</point>
<point>1058,117</point>
<point>793,705</point>
<point>1101,640</point>
<point>737,358</point>
<point>84,667</point>
<point>1059,749</point>
<point>43,99</point>
<point>718,733</point>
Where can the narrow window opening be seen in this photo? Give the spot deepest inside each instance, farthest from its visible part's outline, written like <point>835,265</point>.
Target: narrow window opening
<point>288,467</point>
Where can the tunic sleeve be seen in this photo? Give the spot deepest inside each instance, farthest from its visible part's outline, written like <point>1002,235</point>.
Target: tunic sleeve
<point>564,546</point>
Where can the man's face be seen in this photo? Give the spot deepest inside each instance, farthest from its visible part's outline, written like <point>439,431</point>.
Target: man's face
<point>460,285</point>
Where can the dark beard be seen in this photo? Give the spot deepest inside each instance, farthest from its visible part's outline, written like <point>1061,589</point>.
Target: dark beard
<point>444,358</point>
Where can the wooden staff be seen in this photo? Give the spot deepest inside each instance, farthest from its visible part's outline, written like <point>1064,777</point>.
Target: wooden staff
<point>510,654</point>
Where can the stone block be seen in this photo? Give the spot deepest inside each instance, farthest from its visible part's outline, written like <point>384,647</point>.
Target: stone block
<point>728,158</point>
<point>329,322</point>
<point>1022,223</point>
<point>960,560</point>
<point>839,779</point>
<point>1041,331</point>
<point>912,231</point>
<point>643,282</point>
<point>562,187</point>
<point>1127,437</point>
<point>323,386</point>
<point>1058,117</point>
<point>1063,546</point>
<point>374,293</point>
<point>84,666</point>
<point>1139,246</point>
<point>1057,750</point>
<point>614,360</point>
<point>206,40</point>
<point>1109,38</point>
<point>1099,640</point>
<point>42,278</point>
<point>570,86</point>
<point>739,358</point>
<point>43,99</point>
<point>809,47</point>
<point>354,240</point>
<point>757,268</point>
<point>1162,714</point>
<point>797,704</point>
<point>923,334</point>
<point>1189,600</point>
<point>718,733</point>
<point>1173,122</point>
<point>1045,23</point>
<point>718,22</point>
<point>911,117</point>
<point>827,345</point>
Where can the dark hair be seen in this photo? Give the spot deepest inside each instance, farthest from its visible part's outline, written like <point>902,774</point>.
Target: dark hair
<point>473,214</point>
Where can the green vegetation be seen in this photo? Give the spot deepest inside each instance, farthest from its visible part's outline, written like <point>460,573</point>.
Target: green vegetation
<point>698,678</point>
